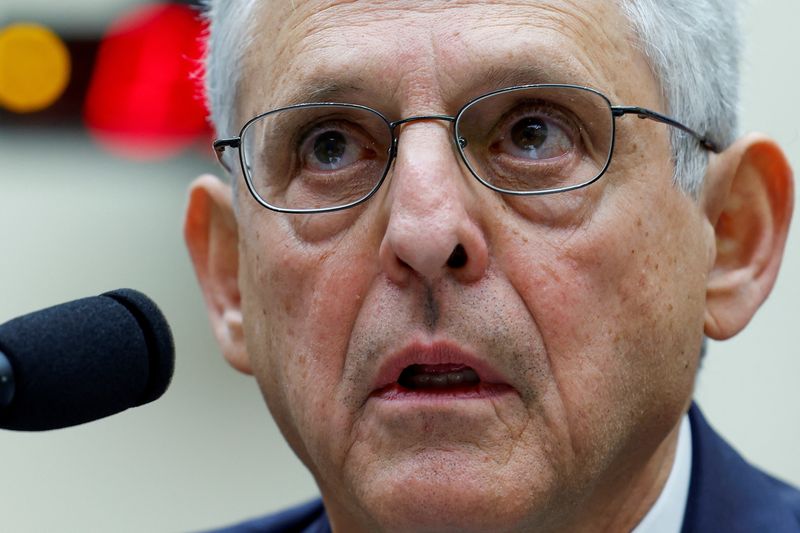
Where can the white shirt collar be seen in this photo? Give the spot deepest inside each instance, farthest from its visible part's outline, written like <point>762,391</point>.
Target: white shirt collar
<point>666,515</point>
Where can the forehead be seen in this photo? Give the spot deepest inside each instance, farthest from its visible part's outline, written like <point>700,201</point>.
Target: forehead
<point>421,56</point>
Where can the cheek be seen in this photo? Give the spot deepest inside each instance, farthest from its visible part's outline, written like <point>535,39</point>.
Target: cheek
<point>300,300</point>
<point>614,303</point>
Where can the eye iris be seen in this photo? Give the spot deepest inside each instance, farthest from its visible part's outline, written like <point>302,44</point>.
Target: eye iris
<point>529,134</point>
<point>329,147</point>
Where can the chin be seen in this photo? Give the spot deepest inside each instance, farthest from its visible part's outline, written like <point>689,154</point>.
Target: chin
<point>439,491</point>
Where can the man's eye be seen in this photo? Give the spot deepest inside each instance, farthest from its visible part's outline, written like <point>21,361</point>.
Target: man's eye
<point>529,134</point>
<point>331,149</point>
<point>534,138</point>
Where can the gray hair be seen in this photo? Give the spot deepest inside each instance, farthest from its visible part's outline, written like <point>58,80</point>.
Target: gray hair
<point>229,36</point>
<point>692,46</point>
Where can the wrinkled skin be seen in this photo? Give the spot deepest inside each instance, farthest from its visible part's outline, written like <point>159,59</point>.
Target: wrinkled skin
<point>590,305</point>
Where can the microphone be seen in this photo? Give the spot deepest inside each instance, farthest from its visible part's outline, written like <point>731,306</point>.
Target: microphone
<point>83,360</point>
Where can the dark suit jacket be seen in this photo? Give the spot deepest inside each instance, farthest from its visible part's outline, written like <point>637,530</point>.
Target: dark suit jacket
<point>726,495</point>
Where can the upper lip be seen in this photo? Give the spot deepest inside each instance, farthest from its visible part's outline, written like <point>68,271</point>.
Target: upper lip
<point>441,352</point>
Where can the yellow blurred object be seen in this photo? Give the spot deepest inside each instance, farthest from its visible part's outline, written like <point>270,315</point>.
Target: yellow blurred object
<point>34,67</point>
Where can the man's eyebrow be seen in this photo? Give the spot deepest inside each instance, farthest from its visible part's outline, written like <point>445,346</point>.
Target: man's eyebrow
<point>324,90</point>
<point>501,76</point>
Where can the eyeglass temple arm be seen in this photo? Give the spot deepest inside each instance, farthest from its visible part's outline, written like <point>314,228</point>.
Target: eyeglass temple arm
<point>221,144</point>
<point>643,113</point>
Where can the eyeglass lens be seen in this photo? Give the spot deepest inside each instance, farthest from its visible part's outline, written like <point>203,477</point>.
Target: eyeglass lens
<point>538,139</point>
<point>523,140</point>
<point>316,157</point>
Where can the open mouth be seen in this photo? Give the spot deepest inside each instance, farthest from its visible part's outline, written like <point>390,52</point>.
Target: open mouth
<point>444,380</point>
<point>438,377</point>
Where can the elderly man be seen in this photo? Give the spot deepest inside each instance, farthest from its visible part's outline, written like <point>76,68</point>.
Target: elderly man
<point>471,251</point>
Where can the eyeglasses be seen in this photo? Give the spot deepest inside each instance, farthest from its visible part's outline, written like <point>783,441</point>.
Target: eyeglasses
<point>523,140</point>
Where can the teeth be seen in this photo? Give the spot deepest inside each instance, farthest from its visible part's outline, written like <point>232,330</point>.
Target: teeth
<point>426,377</point>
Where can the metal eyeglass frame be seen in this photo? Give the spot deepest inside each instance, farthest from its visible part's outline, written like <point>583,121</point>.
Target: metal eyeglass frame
<point>220,145</point>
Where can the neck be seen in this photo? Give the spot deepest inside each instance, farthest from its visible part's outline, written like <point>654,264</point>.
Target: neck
<point>625,500</point>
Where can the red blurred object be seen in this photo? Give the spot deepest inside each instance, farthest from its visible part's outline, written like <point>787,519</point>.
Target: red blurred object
<point>145,98</point>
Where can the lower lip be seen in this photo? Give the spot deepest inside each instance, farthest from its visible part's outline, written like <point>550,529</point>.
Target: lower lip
<point>483,391</point>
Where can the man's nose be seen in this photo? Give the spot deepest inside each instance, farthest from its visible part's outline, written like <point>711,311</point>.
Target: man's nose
<point>433,227</point>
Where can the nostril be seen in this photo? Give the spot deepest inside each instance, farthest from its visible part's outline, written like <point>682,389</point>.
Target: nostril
<point>458,258</point>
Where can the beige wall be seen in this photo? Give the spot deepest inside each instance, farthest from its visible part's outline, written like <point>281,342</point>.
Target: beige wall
<point>750,386</point>
<point>75,16</point>
<point>75,222</point>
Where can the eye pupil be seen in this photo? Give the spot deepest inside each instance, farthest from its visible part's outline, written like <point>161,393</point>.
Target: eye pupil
<point>529,133</point>
<point>329,147</point>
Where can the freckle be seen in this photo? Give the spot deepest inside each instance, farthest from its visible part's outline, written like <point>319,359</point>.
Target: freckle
<point>646,233</point>
<point>638,222</point>
<point>633,252</point>
<point>669,307</point>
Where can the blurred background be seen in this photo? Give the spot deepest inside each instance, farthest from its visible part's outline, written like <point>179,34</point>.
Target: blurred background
<point>101,131</point>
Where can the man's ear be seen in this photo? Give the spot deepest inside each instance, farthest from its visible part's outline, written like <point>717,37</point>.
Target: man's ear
<point>748,199</point>
<point>212,236</point>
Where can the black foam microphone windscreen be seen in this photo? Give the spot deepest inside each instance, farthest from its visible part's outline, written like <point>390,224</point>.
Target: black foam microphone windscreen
<point>86,359</point>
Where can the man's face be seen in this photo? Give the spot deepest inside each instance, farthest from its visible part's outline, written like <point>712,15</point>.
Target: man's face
<point>580,312</point>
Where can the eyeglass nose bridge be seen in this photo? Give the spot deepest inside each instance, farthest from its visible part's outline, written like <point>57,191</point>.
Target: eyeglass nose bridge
<point>462,142</point>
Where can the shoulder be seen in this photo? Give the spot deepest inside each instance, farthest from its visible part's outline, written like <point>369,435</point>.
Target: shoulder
<point>309,517</point>
<point>729,494</point>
